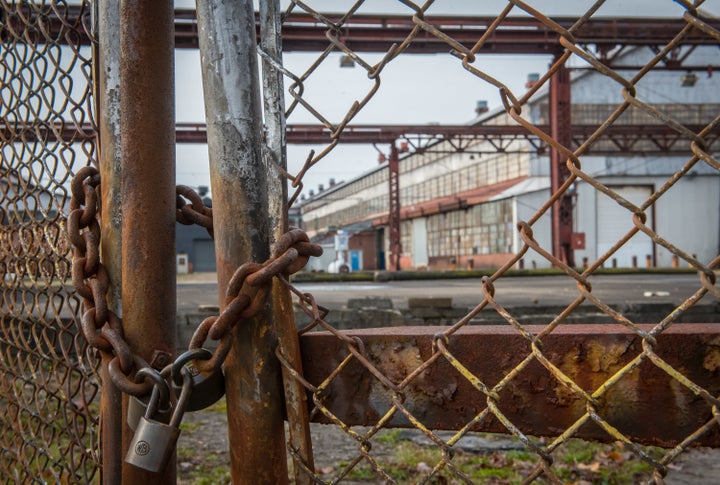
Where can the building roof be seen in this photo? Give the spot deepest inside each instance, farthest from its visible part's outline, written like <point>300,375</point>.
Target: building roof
<point>460,200</point>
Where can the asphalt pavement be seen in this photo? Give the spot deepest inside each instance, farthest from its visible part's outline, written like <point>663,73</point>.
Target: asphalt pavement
<point>625,289</point>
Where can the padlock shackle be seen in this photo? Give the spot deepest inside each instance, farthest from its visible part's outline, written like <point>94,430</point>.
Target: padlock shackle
<point>160,385</point>
<point>183,399</point>
<point>185,358</point>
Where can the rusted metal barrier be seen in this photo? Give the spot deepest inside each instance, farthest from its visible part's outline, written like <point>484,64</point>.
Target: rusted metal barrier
<point>469,381</point>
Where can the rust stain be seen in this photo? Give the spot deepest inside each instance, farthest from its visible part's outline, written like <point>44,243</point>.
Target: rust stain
<point>644,402</point>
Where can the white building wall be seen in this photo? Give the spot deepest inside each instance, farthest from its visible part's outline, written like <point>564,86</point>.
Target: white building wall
<point>657,87</point>
<point>686,216</point>
<point>336,203</point>
<point>526,206</point>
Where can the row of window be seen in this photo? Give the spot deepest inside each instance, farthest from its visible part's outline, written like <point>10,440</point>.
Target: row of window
<point>481,229</point>
<point>487,172</point>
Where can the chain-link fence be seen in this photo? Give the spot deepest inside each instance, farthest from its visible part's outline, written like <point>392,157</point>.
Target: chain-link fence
<point>396,378</point>
<point>49,390</point>
<point>639,385</point>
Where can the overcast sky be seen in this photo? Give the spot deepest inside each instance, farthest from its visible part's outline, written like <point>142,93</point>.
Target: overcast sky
<point>415,89</point>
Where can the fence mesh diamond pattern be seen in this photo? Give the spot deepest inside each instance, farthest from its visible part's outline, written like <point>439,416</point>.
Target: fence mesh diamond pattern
<point>48,385</point>
<point>396,384</point>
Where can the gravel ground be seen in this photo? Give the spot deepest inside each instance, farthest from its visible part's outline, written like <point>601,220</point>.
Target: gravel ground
<point>203,456</point>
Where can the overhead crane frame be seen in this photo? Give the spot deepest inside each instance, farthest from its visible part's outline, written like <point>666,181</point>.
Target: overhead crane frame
<point>606,38</point>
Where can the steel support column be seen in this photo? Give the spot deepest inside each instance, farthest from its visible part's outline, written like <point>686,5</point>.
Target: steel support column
<point>561,131</point>
<point>243,228</point>
<point>147,117</point>
<point>394,208</point>
<point>108,107</point>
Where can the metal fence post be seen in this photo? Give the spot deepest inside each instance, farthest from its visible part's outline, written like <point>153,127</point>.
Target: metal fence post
<point>108,99</point>
<point>147,116</point>
<point>243,229</point>
<point>285,326</point>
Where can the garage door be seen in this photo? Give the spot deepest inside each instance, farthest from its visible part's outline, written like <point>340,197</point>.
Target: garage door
<point>614,221</point>
<point>419,242</point>
<point>203,255</point>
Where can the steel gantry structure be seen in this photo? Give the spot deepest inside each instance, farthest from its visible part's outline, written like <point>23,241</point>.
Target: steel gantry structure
<point>604,38</point>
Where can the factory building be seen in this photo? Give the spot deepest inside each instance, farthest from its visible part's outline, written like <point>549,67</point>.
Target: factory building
<point>462,198</point>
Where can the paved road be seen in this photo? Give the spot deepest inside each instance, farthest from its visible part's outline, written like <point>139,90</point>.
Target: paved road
<point>515,291</point>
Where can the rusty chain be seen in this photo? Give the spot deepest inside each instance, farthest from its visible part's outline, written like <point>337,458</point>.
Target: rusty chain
<point>196,212</point>
<point>101,327</point>
<point>247,290</point>
<point>245,297</point>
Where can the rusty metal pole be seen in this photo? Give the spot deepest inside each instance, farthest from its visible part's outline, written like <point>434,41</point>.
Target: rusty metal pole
<point>283,310</point>
<point>394,209</point>
<point>108,99</point>
<point>561,131</point>
<point>147,116</point>
<point>243,232</point>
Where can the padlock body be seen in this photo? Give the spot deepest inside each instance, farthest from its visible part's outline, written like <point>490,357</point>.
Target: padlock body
<point>207,389</point>
<point>152,445</point>
<point>137,408</point>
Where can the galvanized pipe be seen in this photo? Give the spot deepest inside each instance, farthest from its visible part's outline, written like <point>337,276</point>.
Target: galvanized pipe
<point>147,116</point>
<point>285,326</point>
<point>108,99</point>
<point>243,231</point>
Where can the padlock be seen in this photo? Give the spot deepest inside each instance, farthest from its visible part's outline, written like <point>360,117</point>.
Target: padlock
<point>208,387</point>
<point>157,405</point>
<point>154,442</point>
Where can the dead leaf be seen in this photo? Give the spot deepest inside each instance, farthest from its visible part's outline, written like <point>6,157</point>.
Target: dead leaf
<point>325,471</point>
<point>592,467</point>
<point>423,467</point>
<point>498,460</point>
<point>616,457</point>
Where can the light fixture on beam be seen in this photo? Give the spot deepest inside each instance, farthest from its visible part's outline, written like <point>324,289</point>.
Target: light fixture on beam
<point>346,61</point>
<point>688,80</point>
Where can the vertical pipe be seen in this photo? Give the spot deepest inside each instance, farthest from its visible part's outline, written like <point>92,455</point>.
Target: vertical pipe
<point>108,99</point>
<point>283,310</point>
<point>147,116</point>
<point>243,230</point>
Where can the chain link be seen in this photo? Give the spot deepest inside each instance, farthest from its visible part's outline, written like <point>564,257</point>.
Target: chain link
<point>246,293</point>
<point>101,326</point>
<point>196,212</point>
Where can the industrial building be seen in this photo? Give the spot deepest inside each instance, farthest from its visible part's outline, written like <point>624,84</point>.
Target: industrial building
<point>461,195</point>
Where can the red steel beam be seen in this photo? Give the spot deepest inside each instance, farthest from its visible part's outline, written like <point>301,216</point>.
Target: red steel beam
<point>377,33</point>
<point>666,139</point>
<point>646,405</point>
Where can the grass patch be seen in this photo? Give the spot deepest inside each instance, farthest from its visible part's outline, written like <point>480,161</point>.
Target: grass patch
<point>576,461</point>
<point>219,407</point>
<point>190,427</point>
<point>389,436</point>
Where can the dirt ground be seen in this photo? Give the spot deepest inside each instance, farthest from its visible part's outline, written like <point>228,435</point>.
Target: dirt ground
<point>203,457</point>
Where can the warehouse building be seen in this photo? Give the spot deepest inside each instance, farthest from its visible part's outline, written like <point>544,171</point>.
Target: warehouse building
<point>460,208</point>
